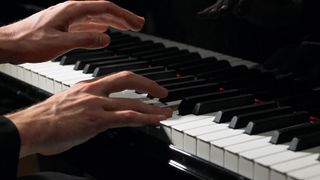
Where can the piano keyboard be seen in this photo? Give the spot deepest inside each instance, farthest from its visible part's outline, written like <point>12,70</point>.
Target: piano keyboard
<point>227,112</point>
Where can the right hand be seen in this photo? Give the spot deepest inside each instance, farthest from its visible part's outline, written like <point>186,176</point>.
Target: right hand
<point>72,117</point>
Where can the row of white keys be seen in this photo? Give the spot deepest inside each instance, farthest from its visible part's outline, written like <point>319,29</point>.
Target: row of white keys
<point>177,119</point>
<point>263,165</point>
<point>280,171</point>
<point>178,130</point>
<point>190,136</point>
<point>217,148</point>
<point>310,172</point>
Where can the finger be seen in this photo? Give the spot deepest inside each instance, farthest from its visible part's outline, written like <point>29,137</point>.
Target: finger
<point>128,80</point>
<point>88,27</point>
<point>108,21</point>
<point>130,118</point>
<point>88,40</point>
<point>115,104</point>
<point>85,8</point>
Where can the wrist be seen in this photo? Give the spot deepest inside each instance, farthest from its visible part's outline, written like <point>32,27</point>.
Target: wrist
<point>7,45</point>
<point>18,120</point>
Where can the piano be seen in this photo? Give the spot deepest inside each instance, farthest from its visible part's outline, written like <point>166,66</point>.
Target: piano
<point>233,118</point>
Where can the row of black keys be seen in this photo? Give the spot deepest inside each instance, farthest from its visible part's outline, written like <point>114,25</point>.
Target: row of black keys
<point>198,82</point>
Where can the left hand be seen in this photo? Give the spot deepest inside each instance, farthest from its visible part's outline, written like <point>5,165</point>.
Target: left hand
<point>63,27</point>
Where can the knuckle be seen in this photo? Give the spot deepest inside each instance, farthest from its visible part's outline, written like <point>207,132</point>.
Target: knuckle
<point>127,74</point>
<point>129,114</point>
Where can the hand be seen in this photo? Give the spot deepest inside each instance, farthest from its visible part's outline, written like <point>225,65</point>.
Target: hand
<point>81,112</point>
<point>63,27</point>
<point>267,13</point>
<point>222,7</point>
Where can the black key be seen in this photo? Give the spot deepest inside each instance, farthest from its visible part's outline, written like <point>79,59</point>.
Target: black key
<point>82,63</point>
<point>226,115</point>
<point>179,93</point>
<point>286,134</point>
<point>160,75</point>
<point>174,58</point>
<point>276,122</point>
<point>155,51</point>
<point>149,70</point>
<point>184,84</point>
<point>164,54</point>
<point>305,141</point>
<point>117,35</point>
<point>204,67</point>
<point>188,103</point>
<point>186,63</point>
<point>140,48</point>
<point>132,48</point>
<point>66,60</point>
<point>216,105</point>
<point>242,120</point>
<point>70,53</point>
<point>225,74</point>
<point>124,40</point>
<point>103,70</point>
<point>175,80</point>
<point>90,67</point>
<point>129,44</point>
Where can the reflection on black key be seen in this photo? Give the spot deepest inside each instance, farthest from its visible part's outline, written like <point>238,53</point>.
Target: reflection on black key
<point>226,115</point>
<point>72,59</point>
<point>240,121</point>
<point>179,93</point>
<point>154,51</point>
<point>276,122</point>
<point>81,63</point>
<point>175,80</point>
<point>184,84</point>
<point>122,40</point>
<point>286,134</point>
<point>149,70</point>
<point>160,75</point>
<point>226,74</point>
<point>103,70</point>
<point>188,103</point>
<point>164,54</point>
<point>204,67</point>
<point>140,48</point>
<point>185,63</point>
<point>305,141</point>
<point>90,67</point>
<point>129,44</point>
<point>174,58</point>
<point>216,105</point>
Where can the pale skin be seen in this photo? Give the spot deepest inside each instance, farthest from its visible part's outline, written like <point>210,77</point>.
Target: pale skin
<point>72,117</point>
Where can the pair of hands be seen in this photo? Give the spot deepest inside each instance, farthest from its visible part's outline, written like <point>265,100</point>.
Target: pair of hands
<point>78,114</point>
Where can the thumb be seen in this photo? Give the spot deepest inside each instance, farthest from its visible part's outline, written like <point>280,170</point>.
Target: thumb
<point>87,40</point>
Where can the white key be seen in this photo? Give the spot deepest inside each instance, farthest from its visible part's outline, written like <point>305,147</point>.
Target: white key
<point>203,141</point>
<point>217,147</point>
<point>177,119</point>
<point>177,130</point>
<point>190,136</point>
<point>246,160</point>
<point>304,173</point>
<point>262,165</point>
<point>231,154</point>
<point>279,171</point>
